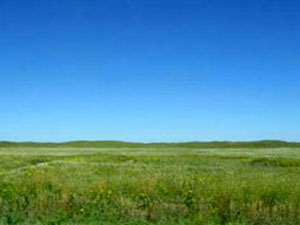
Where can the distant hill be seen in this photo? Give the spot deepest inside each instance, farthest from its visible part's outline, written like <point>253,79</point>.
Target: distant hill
<point>121,144</point>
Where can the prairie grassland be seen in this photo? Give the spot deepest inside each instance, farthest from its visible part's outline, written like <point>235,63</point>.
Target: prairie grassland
<point>154,185</point>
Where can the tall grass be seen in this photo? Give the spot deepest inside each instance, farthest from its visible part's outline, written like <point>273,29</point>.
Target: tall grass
<point>161,185</point>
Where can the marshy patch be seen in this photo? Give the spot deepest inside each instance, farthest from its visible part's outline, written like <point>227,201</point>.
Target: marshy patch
<point>275,162</point>
<point>35,162</point>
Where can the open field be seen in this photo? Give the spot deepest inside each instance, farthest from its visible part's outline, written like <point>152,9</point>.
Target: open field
<point>136,184</point>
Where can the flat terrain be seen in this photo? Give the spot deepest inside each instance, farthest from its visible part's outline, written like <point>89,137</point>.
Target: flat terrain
<point>149,184</point>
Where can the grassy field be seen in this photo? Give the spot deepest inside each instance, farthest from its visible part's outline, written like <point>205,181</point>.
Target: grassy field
<point>139,184</point>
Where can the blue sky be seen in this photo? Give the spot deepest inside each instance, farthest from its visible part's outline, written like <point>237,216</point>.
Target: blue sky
<point>151,70</point>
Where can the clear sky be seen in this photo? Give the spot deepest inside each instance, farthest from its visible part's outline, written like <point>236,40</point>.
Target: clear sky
<point>149,70</point>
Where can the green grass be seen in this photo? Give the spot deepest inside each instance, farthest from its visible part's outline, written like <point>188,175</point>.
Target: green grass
<point>143,184</point>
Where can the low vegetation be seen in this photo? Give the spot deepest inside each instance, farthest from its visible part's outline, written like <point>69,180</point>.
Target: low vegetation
<point>142,184</point>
